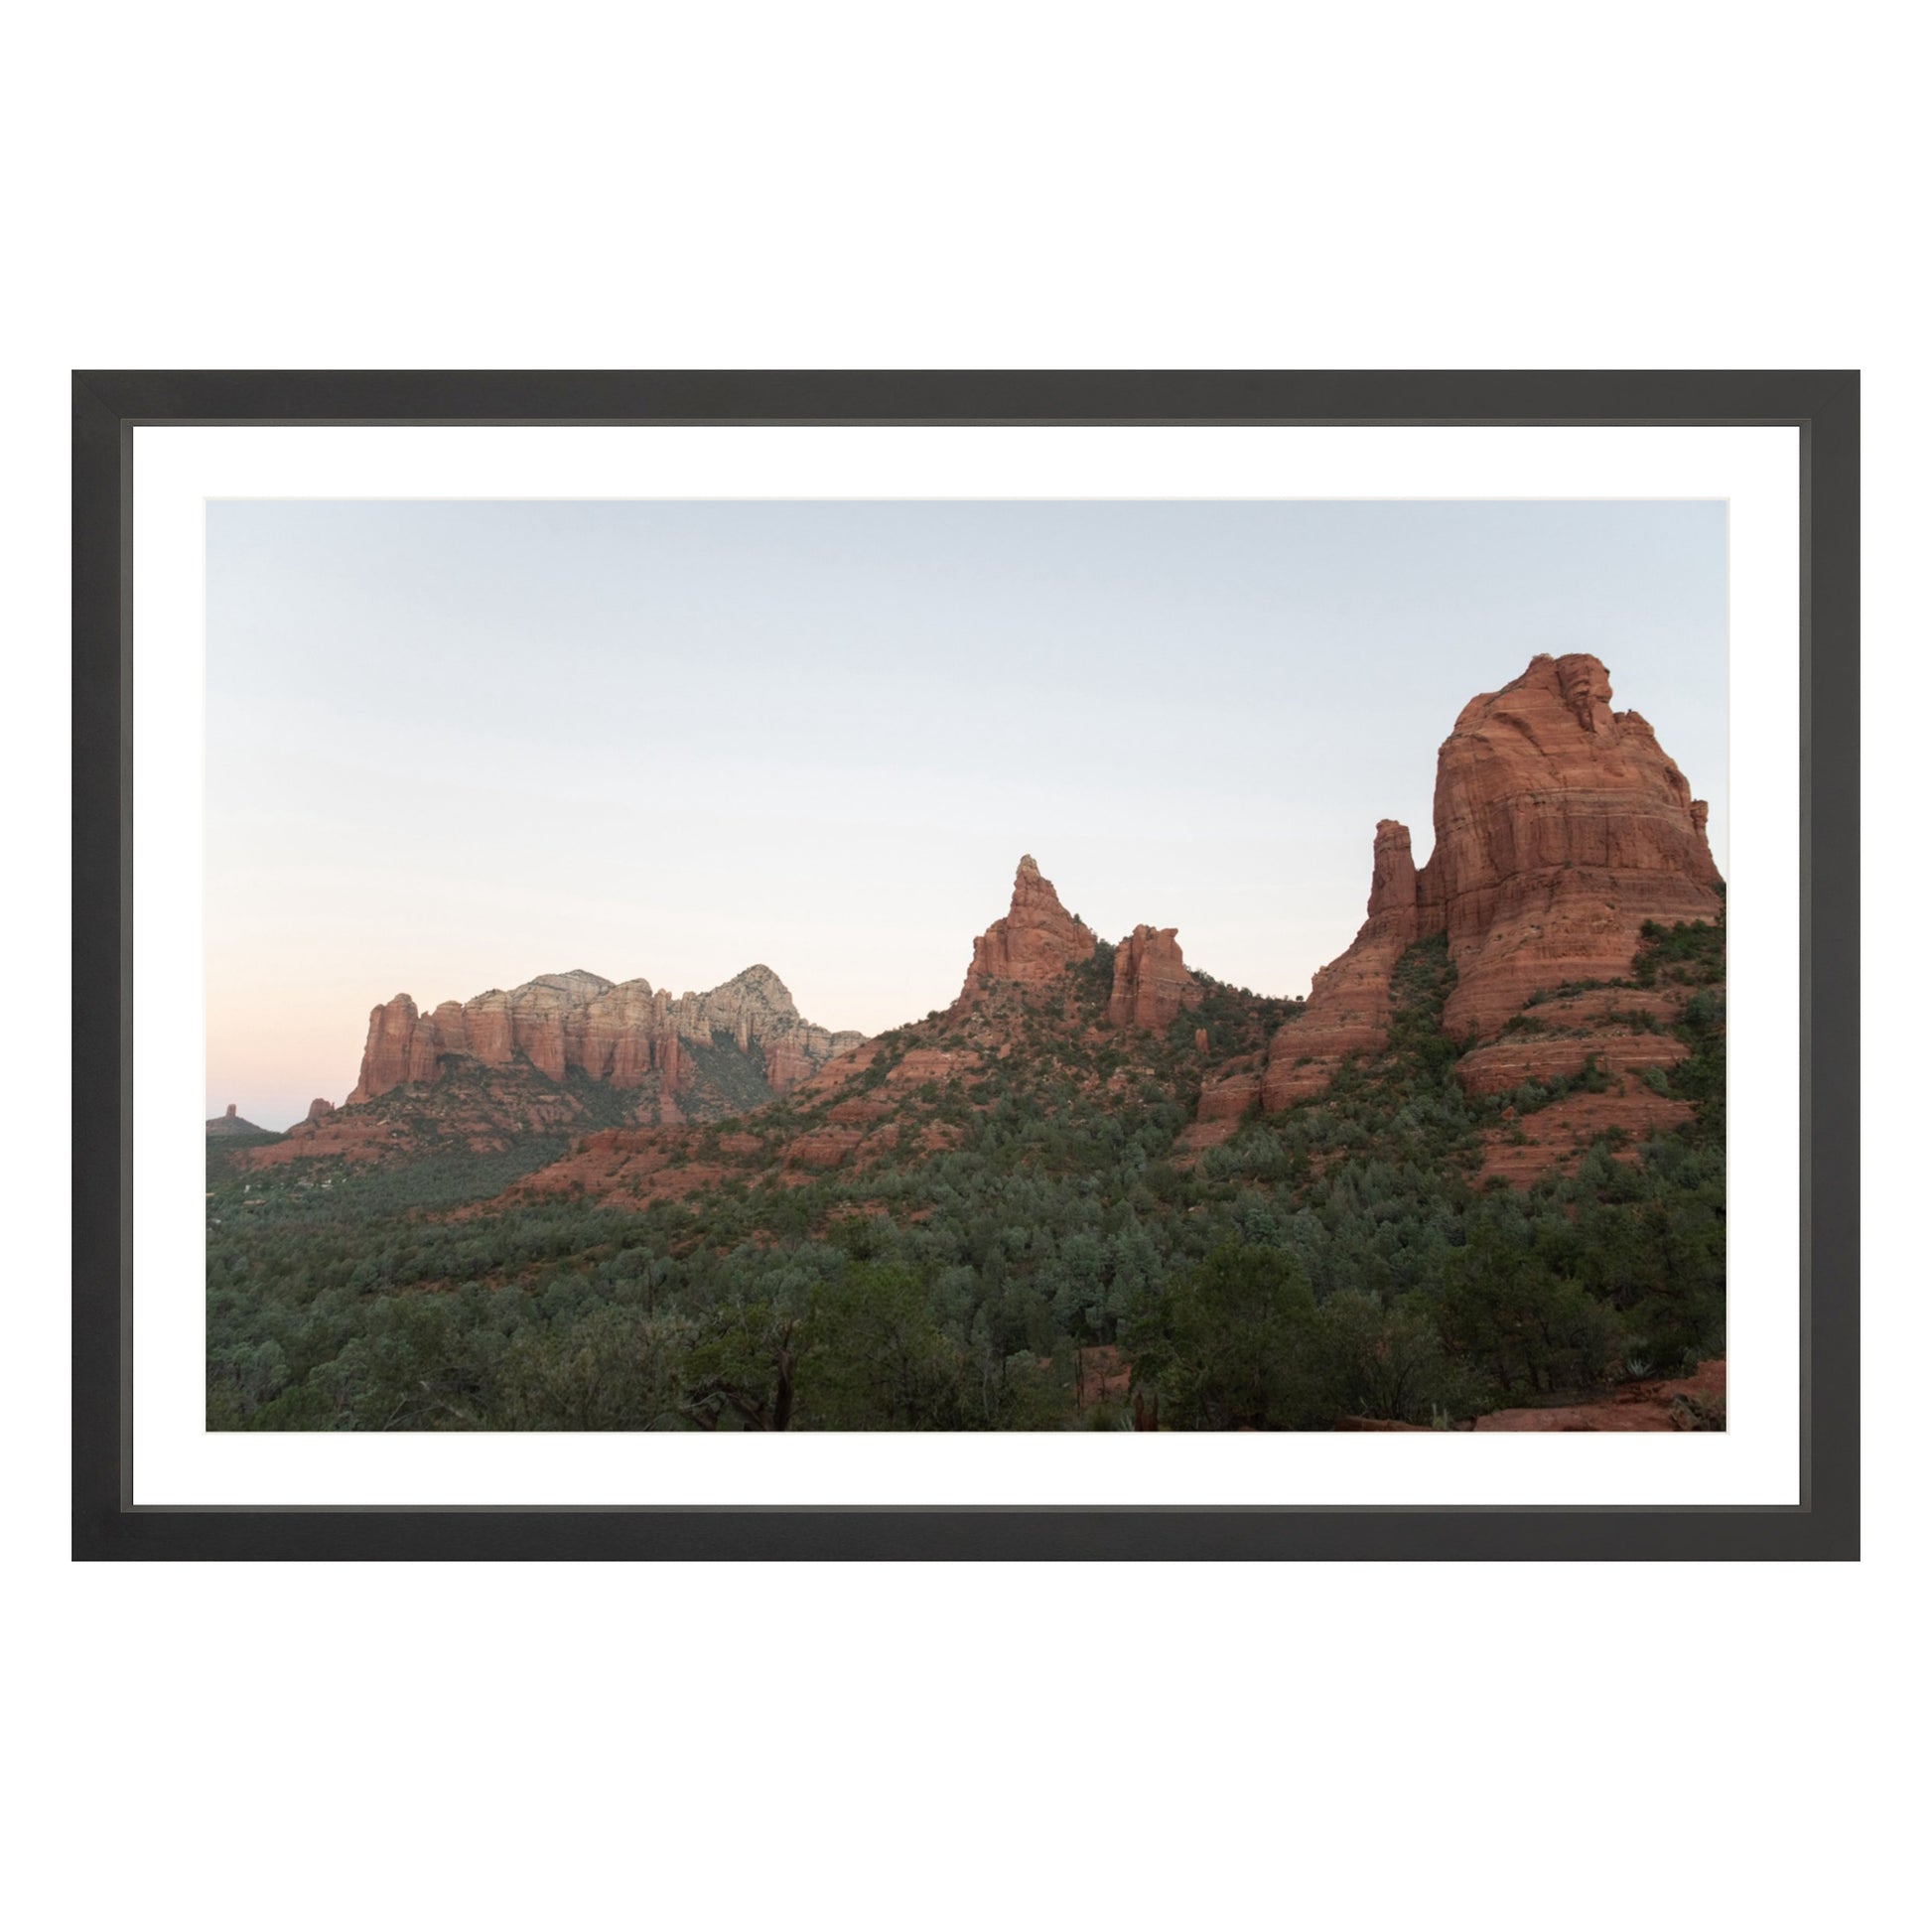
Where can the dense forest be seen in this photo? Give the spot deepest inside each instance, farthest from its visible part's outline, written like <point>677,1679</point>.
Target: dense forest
<point>1344,1259</point>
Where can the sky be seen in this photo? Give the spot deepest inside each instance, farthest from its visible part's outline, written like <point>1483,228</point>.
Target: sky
<point>452,746</point>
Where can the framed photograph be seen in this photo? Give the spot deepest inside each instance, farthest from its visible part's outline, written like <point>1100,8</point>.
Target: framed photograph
<point>966,965</point>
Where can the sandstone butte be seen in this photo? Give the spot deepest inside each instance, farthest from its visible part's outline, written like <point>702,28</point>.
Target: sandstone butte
<point>1038,939</point>
<point>619,1033</point>
<point>1150,983</point>
<point>1561,827</point>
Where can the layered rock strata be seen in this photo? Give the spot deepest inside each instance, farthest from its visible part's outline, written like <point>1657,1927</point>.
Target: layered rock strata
<point>620,1034</point>
<point>1035,940</point>
<point>1152,983</point>
<point>1561,827</point>
<point>1348,1003</point>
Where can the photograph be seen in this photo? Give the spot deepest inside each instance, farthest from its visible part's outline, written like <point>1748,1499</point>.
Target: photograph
<point>956,819</point>
<point>960,965</point>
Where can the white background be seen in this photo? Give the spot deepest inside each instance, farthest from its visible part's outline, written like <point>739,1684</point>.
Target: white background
<point>175,1460</point>
<point>1047,187</point>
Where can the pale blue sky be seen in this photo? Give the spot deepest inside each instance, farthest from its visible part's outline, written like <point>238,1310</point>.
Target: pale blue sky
<point>455,744</point>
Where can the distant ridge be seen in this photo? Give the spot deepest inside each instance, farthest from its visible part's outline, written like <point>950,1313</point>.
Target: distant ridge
<point>625,1035</point>
<point>566,1053</point>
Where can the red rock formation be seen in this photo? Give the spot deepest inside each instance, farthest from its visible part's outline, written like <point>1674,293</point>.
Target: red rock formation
<point>488,1028</point>
<point>1348,1003</point>
<point>1152,984</point>
<point>623,1034</point>
<point>617,1034</point>
<point>1557,1035</point>
<point>390,1055</point>
<point>1561,827</point>
<point>755,1009</point>
<point>1230,1094</point>
<point>450,1027</point>
<point>541,1015</point>
<point>317,1108</point>
<point>1037,940</point>
<point>1557,1137</point>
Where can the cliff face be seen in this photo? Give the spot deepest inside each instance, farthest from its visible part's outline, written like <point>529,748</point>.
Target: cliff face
<point>619,1033</point>
<point>1037,940</point>
<point>755,1009</point>
<point>1348,1003</point>
<point>1561,827</point>
<point>1152,984</point>
<point>389,1054</point>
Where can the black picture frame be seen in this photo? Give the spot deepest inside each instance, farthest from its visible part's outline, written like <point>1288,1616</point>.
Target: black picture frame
<point>108,405</point>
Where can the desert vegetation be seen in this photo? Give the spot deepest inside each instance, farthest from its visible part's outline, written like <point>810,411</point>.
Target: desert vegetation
<point>1043,1211</point>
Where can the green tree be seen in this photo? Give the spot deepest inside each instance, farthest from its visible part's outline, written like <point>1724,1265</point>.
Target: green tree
<point>1231,1344</point>
<point>618,1369</point>
<point>1386,1362</point>
<point>874,1357</point>
<point>1506,1313</point>
<point>743,1369</point>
